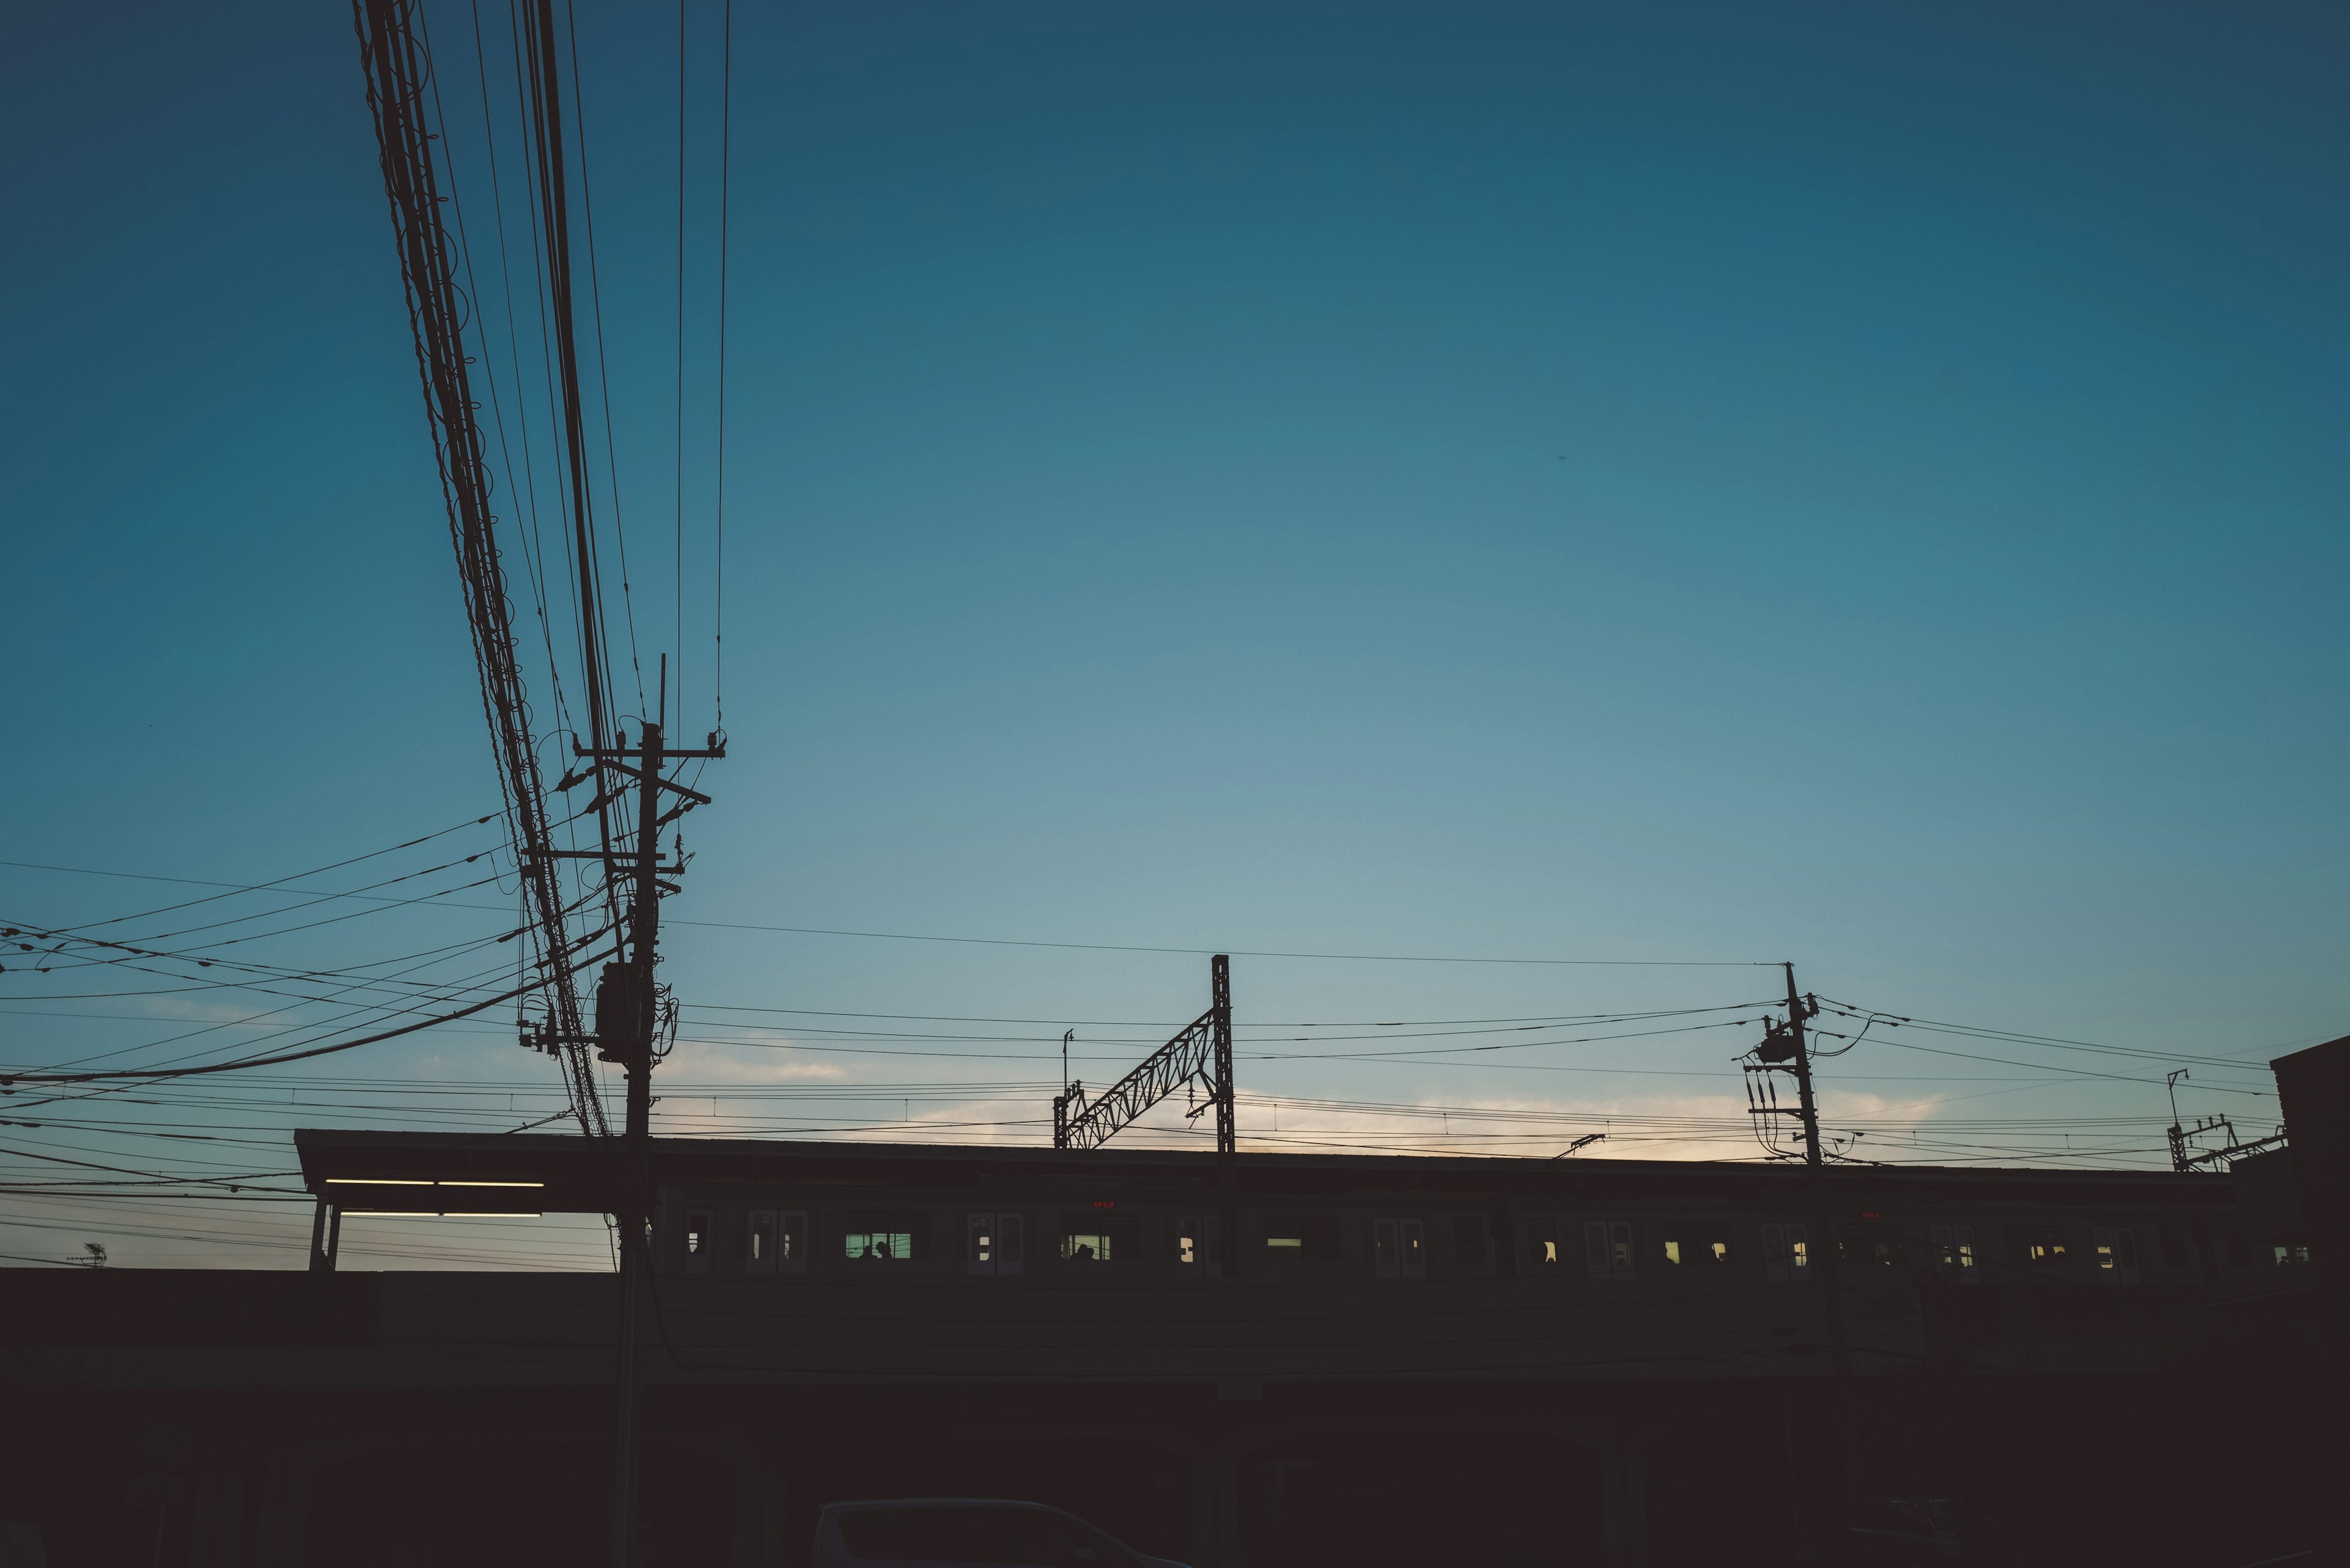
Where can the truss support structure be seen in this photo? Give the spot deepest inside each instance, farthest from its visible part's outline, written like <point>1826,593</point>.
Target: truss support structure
<point>1201,1054</point>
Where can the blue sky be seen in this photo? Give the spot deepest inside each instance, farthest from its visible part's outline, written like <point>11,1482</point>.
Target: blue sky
<point>1861,485</point>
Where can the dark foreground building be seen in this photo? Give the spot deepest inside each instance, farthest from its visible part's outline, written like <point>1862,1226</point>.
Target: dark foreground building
<point>1411,1361</point>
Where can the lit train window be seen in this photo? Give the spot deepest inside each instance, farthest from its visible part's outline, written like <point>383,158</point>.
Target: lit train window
<point>1198,1242</point>
<point>1786,1254</point>
<point>1697,1243</point>
<point>1954,1253</point>
<point>697,1242</point>
<point>1301,1238</point>
<point>993,1243</point>
<point>887,1237</point>
<point>1101,1239</point>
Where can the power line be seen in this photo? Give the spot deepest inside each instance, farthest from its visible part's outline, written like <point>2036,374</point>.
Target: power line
<point>1162,1025</point>
<point>1237,952</point>
<point>13,1077</point>
<point>726,189</point>
<point>254,888</point>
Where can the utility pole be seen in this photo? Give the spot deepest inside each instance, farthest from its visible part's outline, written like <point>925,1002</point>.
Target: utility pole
<point>2177,1136</point>
<point>627,1018</point>
<point>1825,1256</point>
<point>1228,1136</point>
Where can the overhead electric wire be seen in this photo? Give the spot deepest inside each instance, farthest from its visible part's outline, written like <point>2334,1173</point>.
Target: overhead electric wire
<point>349,978</point>
<point>393,59</point>
<point>603,368</point>
<point>1165,1027</point>
<point>443,993</point>
<point>2070,1071</point>
<point>725,188</point>
<point>1240,952</point>
<point>1852,1009</point>
<point>311,901</point>
<point>270,972</point>
<point>284,930</point>
<point>680,584</point>
<point>280,972</point>
<point>14,1075</point>
<point>535,557</point>
<point>242,888</point>
<point>276,885</point>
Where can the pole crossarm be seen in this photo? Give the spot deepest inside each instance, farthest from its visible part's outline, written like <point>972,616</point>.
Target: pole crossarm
<point>1190,1056</point>
<point>669,752</point>
<point>659,783</point>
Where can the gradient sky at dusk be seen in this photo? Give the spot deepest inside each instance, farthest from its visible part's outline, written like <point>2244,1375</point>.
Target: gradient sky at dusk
<point>1855,485</point>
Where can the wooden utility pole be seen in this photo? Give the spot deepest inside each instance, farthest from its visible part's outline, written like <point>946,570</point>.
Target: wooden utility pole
<point>628,1019</point>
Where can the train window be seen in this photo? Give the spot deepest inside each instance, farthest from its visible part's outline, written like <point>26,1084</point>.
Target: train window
<point>1198,1241</point>
<point>1399,1250</point>
<point>1011,1243</point>
<point>1101,1238</point>
<point>992,1243</point>
<point>1691,1243</point>
<point>1301,1238</point>
<point>1542,1241</point>
<point>979,1244</point>
<point>791,1241</point>
<point>1875,1243</point>
<point>759,1241</point>
<point>697,1242</point>
<point>2044,1245</point>
<point>1954,1253</point>
<point>2239,1255</point>
<point>2174,1245</point>
<point>1608,1248</point>
<point>886,1236</point>
<point>2117,1251</point>
<point>2290,1254</point>
<point>1786,1254</point>
<point>1469,1239</point>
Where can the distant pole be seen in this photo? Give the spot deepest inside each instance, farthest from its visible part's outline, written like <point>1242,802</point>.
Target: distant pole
<point>1825,1258</point>
<point>2178,1160</point>
<point>1062,1101</point>
<point>1228,1139</point>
